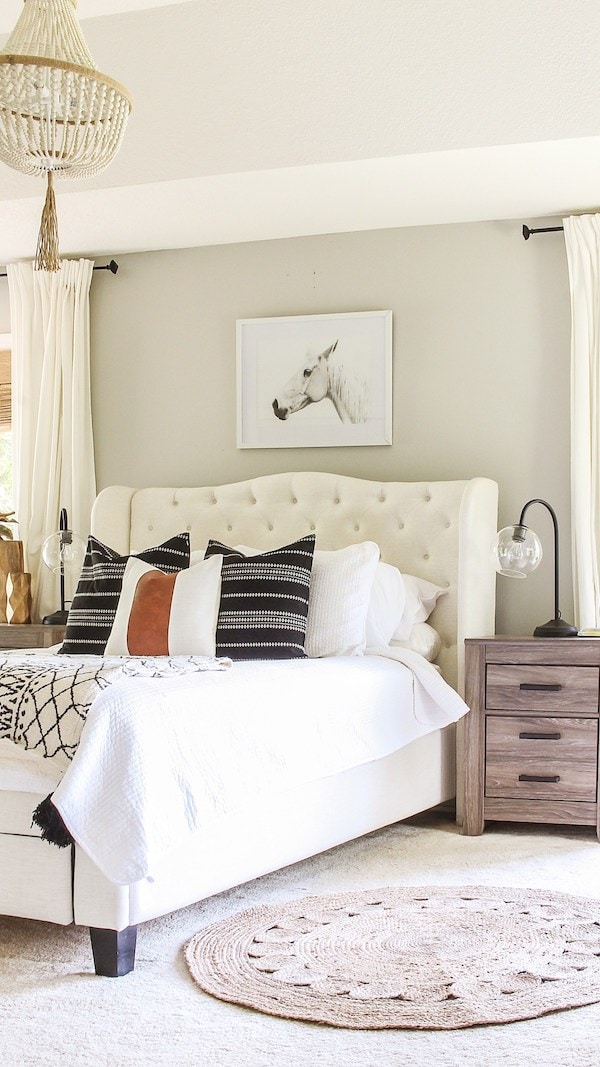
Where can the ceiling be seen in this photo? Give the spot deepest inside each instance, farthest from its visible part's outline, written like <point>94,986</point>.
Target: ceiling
<point>258,119</point>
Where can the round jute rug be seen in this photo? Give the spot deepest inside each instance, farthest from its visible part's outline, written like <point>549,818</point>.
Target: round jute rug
<point>435,958</point>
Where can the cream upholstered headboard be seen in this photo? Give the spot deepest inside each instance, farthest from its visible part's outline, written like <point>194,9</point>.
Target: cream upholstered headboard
<point>441,531</point>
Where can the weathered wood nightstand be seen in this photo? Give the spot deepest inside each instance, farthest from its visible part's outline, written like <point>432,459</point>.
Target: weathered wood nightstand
<point>531,736</point>
<point>31,635</point>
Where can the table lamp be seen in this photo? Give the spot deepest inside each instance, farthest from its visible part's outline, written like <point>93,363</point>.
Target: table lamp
<point>517,551</point>
<point>62,552</point>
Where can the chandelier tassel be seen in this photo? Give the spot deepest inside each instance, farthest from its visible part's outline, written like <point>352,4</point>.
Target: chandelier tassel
<point>46,256</point>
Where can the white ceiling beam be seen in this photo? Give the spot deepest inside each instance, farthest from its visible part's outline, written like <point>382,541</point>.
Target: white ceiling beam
<point>507,182</point>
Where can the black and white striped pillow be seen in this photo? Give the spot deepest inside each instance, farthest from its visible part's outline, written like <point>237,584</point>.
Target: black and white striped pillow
<point>96,599</point>
<point>264,601</point>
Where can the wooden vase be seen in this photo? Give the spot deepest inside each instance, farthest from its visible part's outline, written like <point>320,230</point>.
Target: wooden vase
<point>11,562</point>
<point>19,598</point>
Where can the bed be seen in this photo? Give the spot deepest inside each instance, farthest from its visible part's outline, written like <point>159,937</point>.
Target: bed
<point>366,776</point>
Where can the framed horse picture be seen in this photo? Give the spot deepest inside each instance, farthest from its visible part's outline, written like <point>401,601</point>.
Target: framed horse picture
<point>315,380</point>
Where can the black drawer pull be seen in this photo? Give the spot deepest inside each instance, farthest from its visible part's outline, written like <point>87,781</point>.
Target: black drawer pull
<point>539,777</point>
<point>540,687</point>
<point>528,735</point>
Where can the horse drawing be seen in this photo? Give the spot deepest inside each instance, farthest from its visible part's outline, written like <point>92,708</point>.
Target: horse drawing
<point>342,380</point>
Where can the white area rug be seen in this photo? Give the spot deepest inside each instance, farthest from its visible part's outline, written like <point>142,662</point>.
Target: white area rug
<point>53,1009</point>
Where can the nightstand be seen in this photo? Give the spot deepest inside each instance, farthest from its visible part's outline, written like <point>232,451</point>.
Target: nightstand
<point>531,735</point>
<point>32,635</point>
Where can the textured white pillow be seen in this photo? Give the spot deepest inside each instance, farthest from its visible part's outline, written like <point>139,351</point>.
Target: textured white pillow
<point>386,605</point>
<point>198,555</point>
<point>191,615</point>
<point>340,590</point>
<point>422,639</point>
<point>421,598</point>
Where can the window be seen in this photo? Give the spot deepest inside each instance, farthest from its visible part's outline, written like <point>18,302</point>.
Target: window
<point>6,483</point>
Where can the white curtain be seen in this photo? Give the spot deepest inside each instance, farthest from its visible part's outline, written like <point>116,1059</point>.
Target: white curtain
<point>52,417</point>
<point>582,239</point>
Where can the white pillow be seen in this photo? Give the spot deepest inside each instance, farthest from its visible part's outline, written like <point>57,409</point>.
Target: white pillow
<point>398,602</point>
<point>181,608</point>
<point>386,605</point>
<point>340,590</point>
<point>197,555</point>
<point>421,598</point>
<point>422,639</point>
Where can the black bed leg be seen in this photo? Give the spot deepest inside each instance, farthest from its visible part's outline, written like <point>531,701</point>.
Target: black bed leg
<point>114,951</point>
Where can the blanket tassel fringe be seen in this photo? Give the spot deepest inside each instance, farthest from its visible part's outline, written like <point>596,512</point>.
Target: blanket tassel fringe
<point>49,821</point>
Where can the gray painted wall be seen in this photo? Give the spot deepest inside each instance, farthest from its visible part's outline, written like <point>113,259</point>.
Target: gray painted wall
<point>480,360</point>
<point>4,308</point>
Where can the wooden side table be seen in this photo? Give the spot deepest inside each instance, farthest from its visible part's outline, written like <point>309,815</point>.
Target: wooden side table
<point>531,736</point>
<point>32,635</point>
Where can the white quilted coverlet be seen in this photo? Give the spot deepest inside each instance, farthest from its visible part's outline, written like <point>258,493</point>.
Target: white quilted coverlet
<point>161,757</point>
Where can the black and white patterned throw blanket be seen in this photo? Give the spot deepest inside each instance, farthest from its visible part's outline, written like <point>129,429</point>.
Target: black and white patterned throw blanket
<point>44,699</point>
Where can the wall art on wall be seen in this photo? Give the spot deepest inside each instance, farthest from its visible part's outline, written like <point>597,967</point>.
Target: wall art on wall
<point>315,380</point>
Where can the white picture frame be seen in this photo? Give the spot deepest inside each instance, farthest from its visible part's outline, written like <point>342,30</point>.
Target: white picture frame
<point>284,364</point>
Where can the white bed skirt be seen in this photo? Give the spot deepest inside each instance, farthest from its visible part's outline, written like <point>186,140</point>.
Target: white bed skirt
<point>301,823</point>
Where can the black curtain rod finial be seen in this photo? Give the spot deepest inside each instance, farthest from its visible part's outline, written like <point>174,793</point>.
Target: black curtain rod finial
<point>528,232</point>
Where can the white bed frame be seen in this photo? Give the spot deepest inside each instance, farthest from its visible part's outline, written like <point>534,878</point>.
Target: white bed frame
<point>441,531</point>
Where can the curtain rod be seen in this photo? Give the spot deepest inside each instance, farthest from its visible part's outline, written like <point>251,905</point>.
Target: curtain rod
<point>542,229</point>
<point>112,267</point>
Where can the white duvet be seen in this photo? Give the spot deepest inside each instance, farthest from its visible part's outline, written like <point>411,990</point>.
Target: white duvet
<point>161,757</point>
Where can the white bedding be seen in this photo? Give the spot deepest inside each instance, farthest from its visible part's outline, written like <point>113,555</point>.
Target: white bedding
<point>161,757</point>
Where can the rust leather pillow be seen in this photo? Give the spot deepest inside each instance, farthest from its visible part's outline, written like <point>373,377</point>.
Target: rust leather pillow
<point>167,614</point>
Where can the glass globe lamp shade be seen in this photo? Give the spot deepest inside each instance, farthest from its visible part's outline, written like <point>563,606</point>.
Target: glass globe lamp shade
<point>517,551</point>
<point>63,552</point>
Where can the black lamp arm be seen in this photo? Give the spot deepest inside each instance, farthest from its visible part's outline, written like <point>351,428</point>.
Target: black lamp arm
<point>63,525</point>
<point>538,500</point>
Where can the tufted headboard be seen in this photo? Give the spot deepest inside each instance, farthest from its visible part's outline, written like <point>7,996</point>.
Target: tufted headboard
<point>441,531</point>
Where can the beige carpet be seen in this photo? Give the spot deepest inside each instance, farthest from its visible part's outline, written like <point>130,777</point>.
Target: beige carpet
<point>53,1010</point>
<point>412,958</point>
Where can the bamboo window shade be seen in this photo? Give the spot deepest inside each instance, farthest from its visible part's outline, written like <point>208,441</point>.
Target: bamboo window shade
<point>5,390</point>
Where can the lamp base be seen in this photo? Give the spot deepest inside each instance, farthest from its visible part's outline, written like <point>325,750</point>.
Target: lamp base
<point>57,618</point>
<point>555,628</point>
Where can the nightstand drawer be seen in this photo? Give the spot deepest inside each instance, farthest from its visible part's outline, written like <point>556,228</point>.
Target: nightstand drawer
<point>512,687</point>
<point>541,758</point>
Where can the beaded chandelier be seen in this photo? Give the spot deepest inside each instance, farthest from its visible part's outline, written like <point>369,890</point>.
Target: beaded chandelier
<point>58,114</point>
